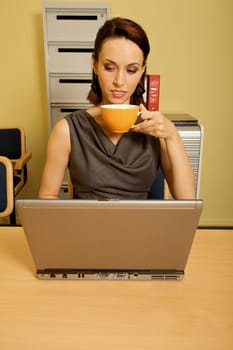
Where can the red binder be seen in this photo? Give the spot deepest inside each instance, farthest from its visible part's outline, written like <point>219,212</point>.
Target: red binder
<point>153,90</point>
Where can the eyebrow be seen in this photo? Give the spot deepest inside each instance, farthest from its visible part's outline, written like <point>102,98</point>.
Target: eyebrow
<point>130,64</point>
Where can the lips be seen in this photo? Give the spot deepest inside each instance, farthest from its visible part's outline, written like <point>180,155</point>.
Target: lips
<point>118,93</point>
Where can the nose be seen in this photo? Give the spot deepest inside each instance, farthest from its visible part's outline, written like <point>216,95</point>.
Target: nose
<point>118,79</point>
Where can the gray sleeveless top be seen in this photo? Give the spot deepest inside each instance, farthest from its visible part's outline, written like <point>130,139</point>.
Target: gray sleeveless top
<point>101,170</point>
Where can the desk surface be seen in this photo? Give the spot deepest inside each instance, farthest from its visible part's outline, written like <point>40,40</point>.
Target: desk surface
<point>196,313</point>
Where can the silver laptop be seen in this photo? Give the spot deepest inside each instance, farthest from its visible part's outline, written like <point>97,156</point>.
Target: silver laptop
<point>109,240</point>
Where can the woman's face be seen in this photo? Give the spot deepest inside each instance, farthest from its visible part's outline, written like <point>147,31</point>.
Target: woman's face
<point>119,69</point>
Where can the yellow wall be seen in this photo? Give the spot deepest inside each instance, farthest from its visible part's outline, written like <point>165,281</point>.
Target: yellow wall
<point>192,49</point>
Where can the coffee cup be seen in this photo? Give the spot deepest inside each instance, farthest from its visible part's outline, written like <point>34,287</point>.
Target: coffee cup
<point>119,118</point>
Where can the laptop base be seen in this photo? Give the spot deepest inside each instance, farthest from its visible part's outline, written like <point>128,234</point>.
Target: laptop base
<point>141,275</point>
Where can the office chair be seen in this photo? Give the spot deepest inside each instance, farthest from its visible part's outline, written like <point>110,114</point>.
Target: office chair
<point>157,190</point>
<point>6,187</point>
<point>13,146</point>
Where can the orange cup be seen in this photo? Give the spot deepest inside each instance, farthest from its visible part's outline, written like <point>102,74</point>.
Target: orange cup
<point>119,117</point>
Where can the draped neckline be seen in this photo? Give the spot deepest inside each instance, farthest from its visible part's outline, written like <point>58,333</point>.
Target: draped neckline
<point>109,145</point>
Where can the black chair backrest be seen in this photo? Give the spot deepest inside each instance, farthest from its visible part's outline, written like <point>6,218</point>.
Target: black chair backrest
<point>3,187</point>
<point>10,143</point>
<point>157,188</point>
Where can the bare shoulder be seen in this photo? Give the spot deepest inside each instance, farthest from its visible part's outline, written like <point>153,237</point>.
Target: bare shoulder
<point>61,129</point>
<point>60,136</point>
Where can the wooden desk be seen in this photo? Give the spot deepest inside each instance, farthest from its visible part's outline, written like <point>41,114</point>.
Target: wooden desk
<point>196,313</point>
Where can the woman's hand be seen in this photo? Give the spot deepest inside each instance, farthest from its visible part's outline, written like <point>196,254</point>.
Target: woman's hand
<point>155,124</point>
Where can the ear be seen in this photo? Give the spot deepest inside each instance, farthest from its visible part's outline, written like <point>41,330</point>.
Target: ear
<point>144,69</point>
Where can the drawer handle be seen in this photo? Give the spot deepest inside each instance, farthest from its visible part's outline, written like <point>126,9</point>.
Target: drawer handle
<point>68,110</point>
<point>77,17</point>
<point>74,49</point>
<point>74,81</point>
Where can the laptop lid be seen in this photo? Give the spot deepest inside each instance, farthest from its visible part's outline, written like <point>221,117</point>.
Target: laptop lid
<point>116,239</point>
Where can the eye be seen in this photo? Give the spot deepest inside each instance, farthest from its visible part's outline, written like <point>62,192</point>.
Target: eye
<point>109,67</point>
<point>132,70</point>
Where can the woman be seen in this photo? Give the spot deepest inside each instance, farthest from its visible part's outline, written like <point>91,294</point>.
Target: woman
<point>103,164</point>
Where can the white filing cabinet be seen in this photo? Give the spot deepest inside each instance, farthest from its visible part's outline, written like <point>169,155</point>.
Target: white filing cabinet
<point>193,138</point>
<point>192,134</point>
<point>69,34</point>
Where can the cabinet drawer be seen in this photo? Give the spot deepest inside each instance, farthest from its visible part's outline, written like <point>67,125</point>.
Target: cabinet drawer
<point>59,112</point>
<point>79,25</point>
<point>70,59</point>
<point>69,90</point>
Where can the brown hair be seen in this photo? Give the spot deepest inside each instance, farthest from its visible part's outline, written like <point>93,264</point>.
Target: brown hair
<point>119,27</point>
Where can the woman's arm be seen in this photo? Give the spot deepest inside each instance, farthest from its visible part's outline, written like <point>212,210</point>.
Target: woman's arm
<point>177,169</point>
<point>174,161</point>
<point>57,156</point>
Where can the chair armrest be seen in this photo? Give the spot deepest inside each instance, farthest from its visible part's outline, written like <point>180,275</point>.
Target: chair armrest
<point>19,164</point>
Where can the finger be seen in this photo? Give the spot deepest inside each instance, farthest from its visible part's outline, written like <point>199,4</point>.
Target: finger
<point>142,107</point>
<point>146,115</point>
<point>142,126</point>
